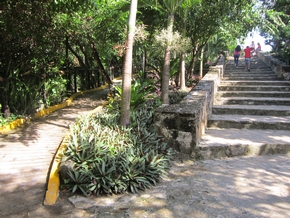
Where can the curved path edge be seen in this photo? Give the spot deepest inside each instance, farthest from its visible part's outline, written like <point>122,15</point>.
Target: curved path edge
<point>53,183</point>
<point>21,121</point>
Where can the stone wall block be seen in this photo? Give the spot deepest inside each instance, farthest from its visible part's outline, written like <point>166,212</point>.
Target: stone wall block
<point>279,67</point>
<point>183,124</point>
<point>184,142</point>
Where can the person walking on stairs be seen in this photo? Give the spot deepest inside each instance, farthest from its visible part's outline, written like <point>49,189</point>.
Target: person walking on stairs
<point>259,48</point>
<point>252,47</point>
<point>247,51</point>
<point>237,55</point>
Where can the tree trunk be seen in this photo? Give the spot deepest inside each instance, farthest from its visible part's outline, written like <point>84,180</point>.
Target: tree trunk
<point>67,72</point>
<point>192,62</point>
<point>166,66</point>
<point>165,77</point>
<point>144,63</point>
<point>177,76</point>
<point>127,68</point>
<point>201,63</point>
<point>80,59</point>
<point>182,73</point>
<point>182,59</point>
<point>100,65</point>
<point>75,82</point>
<point>4,101</point>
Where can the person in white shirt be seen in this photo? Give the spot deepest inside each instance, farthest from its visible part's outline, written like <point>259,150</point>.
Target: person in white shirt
<point>252,46</point>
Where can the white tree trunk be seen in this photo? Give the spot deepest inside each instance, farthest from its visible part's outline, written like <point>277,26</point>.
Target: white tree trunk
<point>166,65</point>
<point>127,68</point>
<point>182,73</point>
<point>201,62</point>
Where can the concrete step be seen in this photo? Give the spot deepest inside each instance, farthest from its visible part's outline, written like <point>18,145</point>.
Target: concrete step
<point>252,101</point>
<point>254,83</point>
<point>253,64</point>
<point>251,93</point>
<point>249,122</point>
<point>254,88</point>
<point>252,77</point>
<point>245,73</point>
<point>222,143</point>
<point>241,68</point>
<point>265,110</point>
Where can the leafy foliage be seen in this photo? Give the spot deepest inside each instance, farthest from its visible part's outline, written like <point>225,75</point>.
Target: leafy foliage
<point>55,89</point>
<point>5,121</point>
<point>140,91</point>
<point>274,25</point>
<point>66,37</point>
<point>109,159</point>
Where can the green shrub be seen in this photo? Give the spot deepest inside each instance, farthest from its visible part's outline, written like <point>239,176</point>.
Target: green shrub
<point>5,121</point>
<point>107,158</point>
<point>55,89</point>
<point>176,97</point>
<point>140,92</point>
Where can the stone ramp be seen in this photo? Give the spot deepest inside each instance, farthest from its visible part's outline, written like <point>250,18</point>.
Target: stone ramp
<point>250,115</point>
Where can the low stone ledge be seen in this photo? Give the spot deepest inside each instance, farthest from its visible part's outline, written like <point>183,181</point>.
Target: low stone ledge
<point>279,67</point>
<point>183,124</point>
<point>180,124</point>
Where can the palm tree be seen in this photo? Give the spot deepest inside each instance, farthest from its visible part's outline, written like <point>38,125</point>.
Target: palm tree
<point>170,6</point>
<point>127,68</point>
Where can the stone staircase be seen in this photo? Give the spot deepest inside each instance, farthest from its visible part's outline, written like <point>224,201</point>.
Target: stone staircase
<point>251,114</point>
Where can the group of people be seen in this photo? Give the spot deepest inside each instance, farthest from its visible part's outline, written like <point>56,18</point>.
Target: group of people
<point>249,52</point>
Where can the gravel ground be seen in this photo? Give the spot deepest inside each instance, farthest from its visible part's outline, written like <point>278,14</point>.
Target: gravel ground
<point>244,187</point>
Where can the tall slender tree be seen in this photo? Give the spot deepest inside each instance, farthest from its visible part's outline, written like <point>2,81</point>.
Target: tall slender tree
<point>184,16</point>
<point>127,68</point>
<point>170,6</point>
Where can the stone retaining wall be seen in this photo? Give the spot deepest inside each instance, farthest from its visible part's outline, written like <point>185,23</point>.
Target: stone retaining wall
<point>279,67</point>
<point>183,124</point>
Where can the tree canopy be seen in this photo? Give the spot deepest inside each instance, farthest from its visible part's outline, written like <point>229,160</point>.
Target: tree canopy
<point>274,24</point>
<point>50,49</point>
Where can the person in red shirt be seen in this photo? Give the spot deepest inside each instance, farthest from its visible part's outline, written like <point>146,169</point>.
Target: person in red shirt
<point>247,51</point>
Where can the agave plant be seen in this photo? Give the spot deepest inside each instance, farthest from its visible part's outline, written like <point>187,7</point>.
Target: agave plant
<point>108,158</point>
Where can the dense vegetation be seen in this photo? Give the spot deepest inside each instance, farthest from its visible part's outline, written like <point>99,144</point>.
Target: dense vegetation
<point>276,27</point>
<point>50,49</point>
<point>104,158</point>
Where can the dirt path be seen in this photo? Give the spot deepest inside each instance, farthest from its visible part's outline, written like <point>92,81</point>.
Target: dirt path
<point>245,187</point>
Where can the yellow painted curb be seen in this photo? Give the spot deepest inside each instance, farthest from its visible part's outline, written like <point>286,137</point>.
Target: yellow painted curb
<point>52,192</point>
<point>13,125</point>
<point>19,122</point>
<point>53,182</point>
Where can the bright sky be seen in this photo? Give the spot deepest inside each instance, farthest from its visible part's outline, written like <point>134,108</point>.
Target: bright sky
<point>257,38</point>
